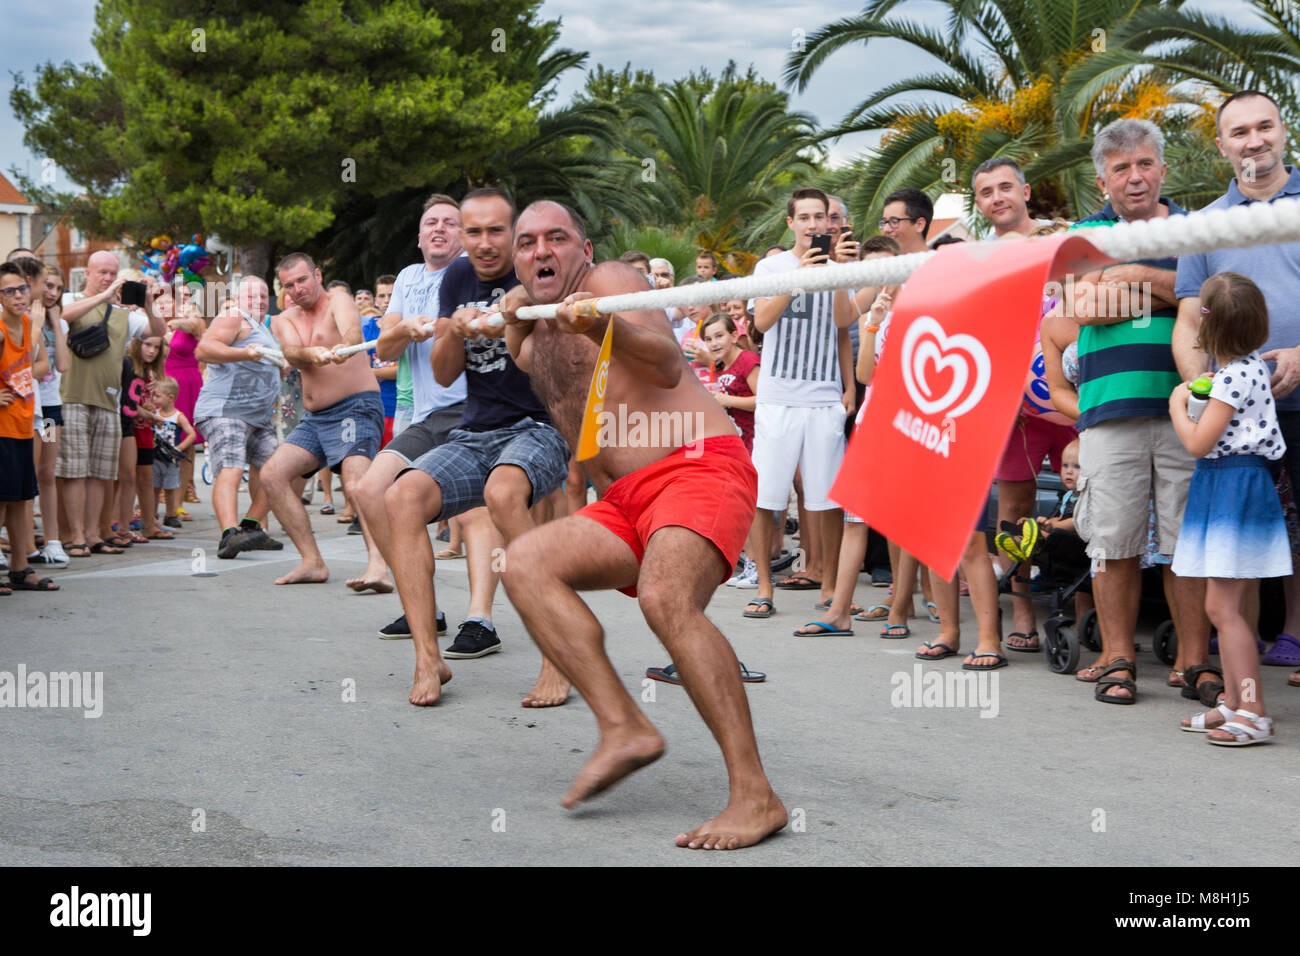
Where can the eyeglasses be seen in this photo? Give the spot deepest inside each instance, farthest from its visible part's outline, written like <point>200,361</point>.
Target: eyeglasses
<point>893,221</point>
<point>13,290</point>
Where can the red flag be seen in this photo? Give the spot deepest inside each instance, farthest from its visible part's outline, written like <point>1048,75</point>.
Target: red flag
<point>948,389</point>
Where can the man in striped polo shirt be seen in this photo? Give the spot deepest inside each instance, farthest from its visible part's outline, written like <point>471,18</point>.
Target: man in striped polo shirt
<point>1128,450</point>
<point>805,393</point>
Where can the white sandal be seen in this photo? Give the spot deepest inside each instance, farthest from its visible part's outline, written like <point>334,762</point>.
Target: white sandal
<point>1196,725</point>
<point>1243,734</point>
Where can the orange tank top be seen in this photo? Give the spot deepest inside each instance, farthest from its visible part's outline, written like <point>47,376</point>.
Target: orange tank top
<point>16,418</point>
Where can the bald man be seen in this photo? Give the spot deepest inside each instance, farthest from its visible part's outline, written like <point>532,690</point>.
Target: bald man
<point>92,432</point>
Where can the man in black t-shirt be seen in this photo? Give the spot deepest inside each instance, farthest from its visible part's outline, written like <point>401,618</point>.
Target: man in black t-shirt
<point>505,455</point>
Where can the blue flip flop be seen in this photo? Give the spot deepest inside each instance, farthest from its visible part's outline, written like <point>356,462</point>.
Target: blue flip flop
<point>932,610</point>
<point>895,637</point>
<point>825,631</point>
<point>1000,662</point>
<point>935,645</point>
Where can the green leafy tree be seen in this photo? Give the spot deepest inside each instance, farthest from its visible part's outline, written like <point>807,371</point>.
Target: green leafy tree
<point>256,121</point>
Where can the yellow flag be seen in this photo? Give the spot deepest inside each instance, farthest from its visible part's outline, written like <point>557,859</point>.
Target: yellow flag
<point>588,440</point>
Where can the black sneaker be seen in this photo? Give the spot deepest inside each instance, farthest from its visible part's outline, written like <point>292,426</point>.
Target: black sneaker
<point>474,640</point>
<point>233,541</point>
<point>399,629</point>
<point>259,540</point>
<point>172,521</point>
<point>355,526</point>
<point>791,525</point>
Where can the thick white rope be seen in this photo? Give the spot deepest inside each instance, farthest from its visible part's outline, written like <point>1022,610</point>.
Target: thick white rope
<point>1254,224</point>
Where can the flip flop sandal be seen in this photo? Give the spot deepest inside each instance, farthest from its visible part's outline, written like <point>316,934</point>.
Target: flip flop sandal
<point>447,554</point>
<point>1029,538</point>
<point>799,582</point>
<point>935,645</point>
<point>346,518</point>
<point>21,581</point>
<point>1009,546</point>
<point>870,613</point>
<point>932,610</point>
<point>120,541</point>
<point>1175,679</point>
<point>72,549</point>
<point>327,510</point>
<point>763,603</point>
<point>1106,681</point>
<point>751,677</point>
<point>825,630</point>
<point>887,634</point>
<point>669,674</point>
<point>1095,671</point>
<point>161,535</point>
<point>1293,680</point>
<point>138,538</point>
<point>1285,652</point>
<point>826,606</point>
<point>999,661</point>
<point>1032,649</point>
<point>103,547</point>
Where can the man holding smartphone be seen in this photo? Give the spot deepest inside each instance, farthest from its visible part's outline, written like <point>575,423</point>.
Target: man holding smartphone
<point>806,391</point>
<point>92,433</point>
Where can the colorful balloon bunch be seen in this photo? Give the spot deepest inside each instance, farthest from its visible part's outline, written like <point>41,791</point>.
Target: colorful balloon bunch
<point>165,260</point>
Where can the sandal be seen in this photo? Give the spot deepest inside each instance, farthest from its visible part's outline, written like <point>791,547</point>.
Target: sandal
<point>999,661</point>
<point>888,632</point>
<point>932,609</point>
<point>1105,682</point>
<point>1253,730</point>
<point>1293,680</point>
<point>1197,724</point>
<point>1093,672</point>
<point>1026,648</point>
<point>799,582</point>
<point>1206,692</point>
<point>1285,652</point>
<point>765,608</point>
<point>103,547</point>
<point>21,581</point>
<point>119,541</point>
<point>327,509</point>
<point>447,554</point>
<point>854,609</point>
<point>77,550</point>
<point>138,538</point>
<point>870,613</point>
<point>935,646</point>
<point>1175,679</point>
<point>160,535</point>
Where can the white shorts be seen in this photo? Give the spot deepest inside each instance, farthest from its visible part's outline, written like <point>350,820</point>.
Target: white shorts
<point>786,437</point>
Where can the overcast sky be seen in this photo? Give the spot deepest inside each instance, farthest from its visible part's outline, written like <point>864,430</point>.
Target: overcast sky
<point>669,37</point>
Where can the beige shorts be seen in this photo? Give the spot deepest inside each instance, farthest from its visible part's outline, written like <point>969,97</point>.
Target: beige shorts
<point>1123,464</point>
<point>89,445</point>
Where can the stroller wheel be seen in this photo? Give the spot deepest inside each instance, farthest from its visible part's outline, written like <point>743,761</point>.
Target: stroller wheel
<point>1090,631</point>
<point>1062,645</point>
<point>1166,644</point>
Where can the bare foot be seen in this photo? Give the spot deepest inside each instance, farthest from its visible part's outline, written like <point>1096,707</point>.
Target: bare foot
<point>427,687</point>
<point>616,756</point>
<point>551,689</point>
<point>306,574</point>
<point>378,585</point>
<point>738,826</point>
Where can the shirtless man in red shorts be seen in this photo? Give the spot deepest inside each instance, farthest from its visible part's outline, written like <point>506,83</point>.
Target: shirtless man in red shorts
<point>667,530</point>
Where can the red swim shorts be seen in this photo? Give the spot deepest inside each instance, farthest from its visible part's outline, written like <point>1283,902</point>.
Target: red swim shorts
<point>1033,439</point>
<point>709,487</point>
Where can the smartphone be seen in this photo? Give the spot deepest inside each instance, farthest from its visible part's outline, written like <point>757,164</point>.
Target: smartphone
<point>133,293</point>
<point>821,241</point>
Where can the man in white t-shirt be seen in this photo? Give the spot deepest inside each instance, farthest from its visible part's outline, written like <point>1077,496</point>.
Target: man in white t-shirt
<point>437,410</point>
<point>805,393</point>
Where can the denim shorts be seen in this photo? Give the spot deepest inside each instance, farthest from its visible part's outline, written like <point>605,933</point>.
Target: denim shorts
<point>462,464</point>
<point>351,426</point>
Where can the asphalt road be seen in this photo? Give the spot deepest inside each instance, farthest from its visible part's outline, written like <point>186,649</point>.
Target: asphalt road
<point>248,724</point>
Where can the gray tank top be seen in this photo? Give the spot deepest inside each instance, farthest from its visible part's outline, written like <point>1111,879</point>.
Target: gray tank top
<point>243,390</point>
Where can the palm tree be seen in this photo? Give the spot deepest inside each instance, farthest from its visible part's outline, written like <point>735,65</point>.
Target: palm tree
<point>718,165</point>
<point>1035,80</point>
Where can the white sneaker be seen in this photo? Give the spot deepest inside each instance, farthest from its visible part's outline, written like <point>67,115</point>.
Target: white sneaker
<point>746,580</point>
<point>55,555</point>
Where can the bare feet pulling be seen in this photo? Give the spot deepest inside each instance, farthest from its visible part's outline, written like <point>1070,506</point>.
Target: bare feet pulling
<point>378,585</point>
<point>427,687</point>
<point>551,689</point>
<point>306,574</point>
<point>738,826</point>
<point>616,756</point>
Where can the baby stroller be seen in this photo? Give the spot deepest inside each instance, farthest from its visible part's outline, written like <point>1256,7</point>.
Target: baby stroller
<point>1064,568</point>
